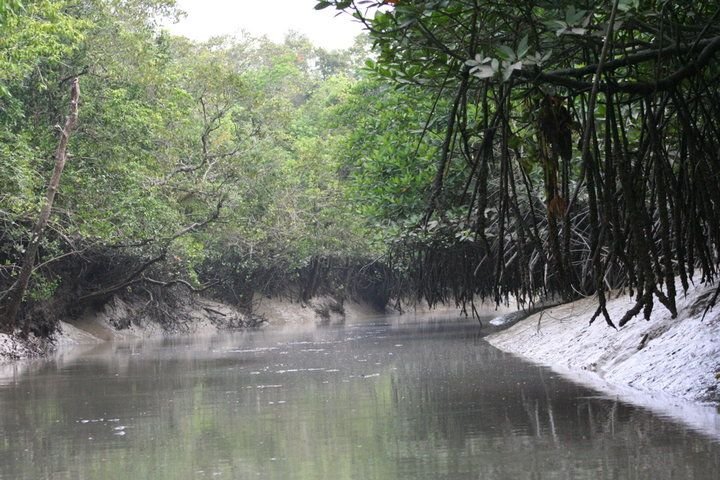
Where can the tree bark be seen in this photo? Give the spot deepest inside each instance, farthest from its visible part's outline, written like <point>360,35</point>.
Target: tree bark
<point>11,301</point>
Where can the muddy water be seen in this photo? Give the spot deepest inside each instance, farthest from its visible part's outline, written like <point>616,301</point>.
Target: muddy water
<point>366,402</point>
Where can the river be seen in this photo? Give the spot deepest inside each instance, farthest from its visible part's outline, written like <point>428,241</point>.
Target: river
<point>380,401</point>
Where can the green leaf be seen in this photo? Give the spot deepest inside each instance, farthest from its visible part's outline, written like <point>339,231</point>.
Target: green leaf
<point>523,47</point>
<point>506,53</point>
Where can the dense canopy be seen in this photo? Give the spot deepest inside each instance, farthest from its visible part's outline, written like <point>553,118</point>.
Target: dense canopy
<point>579,147</point>
<point>469,149</point>
<point>192,167</point>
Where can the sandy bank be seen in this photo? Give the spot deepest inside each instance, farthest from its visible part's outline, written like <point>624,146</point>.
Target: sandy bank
<point>663,364</point>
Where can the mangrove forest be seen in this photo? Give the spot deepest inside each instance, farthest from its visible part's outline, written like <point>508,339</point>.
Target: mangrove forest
<point>461,151</point>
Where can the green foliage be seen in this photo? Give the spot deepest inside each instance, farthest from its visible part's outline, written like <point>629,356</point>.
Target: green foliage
<point>569,160</point>
<point>199,158</point>
<point>388,154</point>
<point>38,33</point>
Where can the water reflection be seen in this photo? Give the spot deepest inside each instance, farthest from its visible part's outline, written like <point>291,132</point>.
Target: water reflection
<point>372,402</point>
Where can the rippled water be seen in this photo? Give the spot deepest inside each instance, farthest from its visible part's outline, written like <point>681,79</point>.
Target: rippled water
<point>365,402</point>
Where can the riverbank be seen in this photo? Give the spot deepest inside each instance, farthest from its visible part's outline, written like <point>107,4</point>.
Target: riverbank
<point>13,348</point>
<point>122,319</point>
<point>119,320</point>
<point>677,358</point>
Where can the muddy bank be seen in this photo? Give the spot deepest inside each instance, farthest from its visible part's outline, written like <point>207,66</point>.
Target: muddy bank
<point>13,348</point>
<point>328,310</point>
<point>677,358</point>
<point>125,319</point>
<point>121,319</point>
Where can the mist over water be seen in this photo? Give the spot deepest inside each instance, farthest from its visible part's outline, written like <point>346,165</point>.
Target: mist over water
<point>422,401</point>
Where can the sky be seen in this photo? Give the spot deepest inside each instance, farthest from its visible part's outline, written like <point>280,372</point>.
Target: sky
<point>274,18</point>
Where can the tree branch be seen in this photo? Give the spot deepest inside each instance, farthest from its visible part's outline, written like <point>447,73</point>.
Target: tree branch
<point>641,88</point>
<point>12,299</point>
<point>180,282</point>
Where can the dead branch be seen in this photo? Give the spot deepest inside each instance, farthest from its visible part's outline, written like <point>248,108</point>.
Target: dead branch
<point>11,300</point>
<point>178,281</point>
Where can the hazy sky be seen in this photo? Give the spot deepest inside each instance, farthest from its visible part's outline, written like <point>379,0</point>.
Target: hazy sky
<point>273,18</point>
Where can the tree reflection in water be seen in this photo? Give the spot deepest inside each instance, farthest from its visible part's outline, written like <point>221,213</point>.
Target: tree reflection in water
<point>362,403</point>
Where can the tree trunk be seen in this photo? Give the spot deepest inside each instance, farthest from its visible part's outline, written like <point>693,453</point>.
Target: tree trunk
<point>10,302</point>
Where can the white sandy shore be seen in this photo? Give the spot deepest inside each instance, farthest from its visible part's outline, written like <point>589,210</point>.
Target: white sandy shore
<point>673,372</point>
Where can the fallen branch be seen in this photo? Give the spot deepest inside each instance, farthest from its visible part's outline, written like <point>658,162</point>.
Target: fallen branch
<point>212,310</point>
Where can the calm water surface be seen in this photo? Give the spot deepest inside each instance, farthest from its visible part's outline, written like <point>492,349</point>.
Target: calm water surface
<point>363,402</point>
